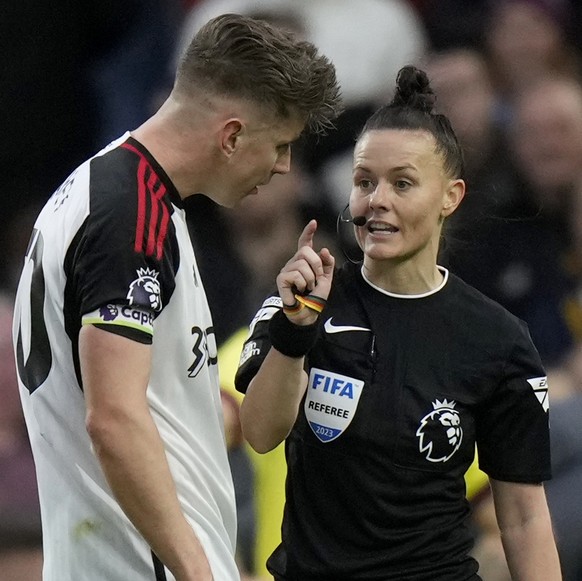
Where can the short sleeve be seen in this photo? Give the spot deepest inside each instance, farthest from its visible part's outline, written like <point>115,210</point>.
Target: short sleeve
<point>124,262</point>
<point>512,425</point>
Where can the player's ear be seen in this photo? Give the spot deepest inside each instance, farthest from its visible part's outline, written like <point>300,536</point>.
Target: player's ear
<point>454,194</point>
<point>230,134</point>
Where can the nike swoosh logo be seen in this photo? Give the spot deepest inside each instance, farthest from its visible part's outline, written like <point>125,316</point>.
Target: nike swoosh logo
<point>331,328</point>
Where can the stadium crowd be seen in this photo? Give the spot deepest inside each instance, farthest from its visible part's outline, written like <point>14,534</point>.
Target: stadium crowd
<point>508,73</point>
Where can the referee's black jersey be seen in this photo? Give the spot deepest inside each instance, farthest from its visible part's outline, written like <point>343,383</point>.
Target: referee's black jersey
<point>400,390</point>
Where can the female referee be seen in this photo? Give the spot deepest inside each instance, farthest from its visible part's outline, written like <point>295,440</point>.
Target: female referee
<point>382,381</point>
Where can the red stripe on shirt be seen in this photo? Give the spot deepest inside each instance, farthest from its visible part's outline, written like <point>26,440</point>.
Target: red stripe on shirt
<point>155,203</point>
<point>154,245</point>
<point>141,205</point>
<point>141,197</point>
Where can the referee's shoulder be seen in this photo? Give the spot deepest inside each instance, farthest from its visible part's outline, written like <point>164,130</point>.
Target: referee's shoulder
<point>478,306</point>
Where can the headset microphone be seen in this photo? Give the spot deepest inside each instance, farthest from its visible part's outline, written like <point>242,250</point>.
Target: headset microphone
<point>356,221</point>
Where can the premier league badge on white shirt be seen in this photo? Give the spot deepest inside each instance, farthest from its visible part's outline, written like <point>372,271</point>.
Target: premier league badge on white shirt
<point>331,402</point>
<point>145,290</point>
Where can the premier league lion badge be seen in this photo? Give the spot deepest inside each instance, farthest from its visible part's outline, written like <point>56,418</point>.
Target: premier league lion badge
<point>440,433</point>
<point>145,290</point>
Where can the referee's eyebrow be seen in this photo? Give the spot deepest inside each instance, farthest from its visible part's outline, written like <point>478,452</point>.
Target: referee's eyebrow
<point>404,167</point>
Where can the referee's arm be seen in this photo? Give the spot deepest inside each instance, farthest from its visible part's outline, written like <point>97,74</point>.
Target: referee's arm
<point>271,404</point>
<point>526,531</point>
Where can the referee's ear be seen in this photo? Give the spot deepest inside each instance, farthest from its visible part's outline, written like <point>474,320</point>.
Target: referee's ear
<point>454,195</point>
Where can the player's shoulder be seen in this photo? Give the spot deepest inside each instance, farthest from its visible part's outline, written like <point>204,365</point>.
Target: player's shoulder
<point>131,193</point>
<point>115,174</point>
<point>124,175</point>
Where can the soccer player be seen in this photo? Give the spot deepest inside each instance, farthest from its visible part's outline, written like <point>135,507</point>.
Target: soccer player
<point>383,375</point>
<point>113,336</point>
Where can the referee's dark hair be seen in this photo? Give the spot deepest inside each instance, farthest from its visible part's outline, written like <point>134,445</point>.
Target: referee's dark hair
<point>412,108</point>
<point>241,57</point>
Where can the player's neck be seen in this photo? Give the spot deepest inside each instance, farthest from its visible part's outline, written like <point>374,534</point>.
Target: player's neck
<point>179,151</point>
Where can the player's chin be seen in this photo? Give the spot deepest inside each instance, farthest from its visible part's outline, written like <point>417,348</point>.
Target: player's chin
<point>253,192</point>
<point>239,198</point>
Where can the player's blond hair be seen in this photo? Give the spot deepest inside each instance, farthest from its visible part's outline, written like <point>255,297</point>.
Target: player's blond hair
<point>241,57</point>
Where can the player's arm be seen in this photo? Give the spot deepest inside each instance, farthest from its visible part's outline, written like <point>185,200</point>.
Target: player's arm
<point>272,398</point>
<point>526,531</point>
<point>115,372</point>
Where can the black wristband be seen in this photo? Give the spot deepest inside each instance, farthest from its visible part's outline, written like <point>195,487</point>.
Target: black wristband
<point>291,339</point>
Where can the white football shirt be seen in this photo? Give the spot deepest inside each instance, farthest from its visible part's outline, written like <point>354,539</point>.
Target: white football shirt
<point>111,247</point>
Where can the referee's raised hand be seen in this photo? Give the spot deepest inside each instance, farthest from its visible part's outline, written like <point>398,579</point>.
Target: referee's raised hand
<point>307,275</point>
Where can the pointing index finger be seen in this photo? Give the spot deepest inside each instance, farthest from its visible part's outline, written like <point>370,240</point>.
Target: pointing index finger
<point>306,237</point>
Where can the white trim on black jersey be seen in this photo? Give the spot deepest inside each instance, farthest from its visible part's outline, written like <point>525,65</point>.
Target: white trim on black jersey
<point>442,269</point>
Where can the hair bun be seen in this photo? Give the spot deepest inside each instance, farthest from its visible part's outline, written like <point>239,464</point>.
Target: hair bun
<point>413,90</point>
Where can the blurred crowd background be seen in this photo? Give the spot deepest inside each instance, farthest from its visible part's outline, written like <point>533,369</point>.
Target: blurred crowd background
<point>508,73</point>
